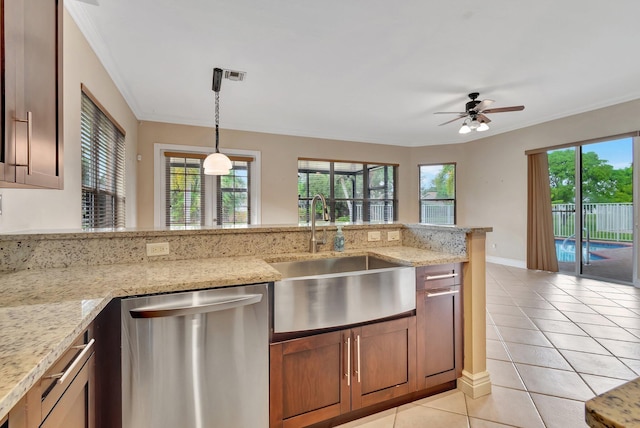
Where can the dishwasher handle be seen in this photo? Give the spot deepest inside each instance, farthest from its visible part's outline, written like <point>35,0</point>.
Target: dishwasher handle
<point>160,311</point>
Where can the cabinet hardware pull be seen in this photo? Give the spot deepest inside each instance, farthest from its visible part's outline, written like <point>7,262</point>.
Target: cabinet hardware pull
<point>62,377</point>
<point>445,276</point>
<point>358,352</point>
<point>348,373</point>
<point>29,122</point>
<point>442,293</point>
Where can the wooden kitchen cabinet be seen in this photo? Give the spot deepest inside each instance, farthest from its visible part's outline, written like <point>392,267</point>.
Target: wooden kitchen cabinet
<point>319,377</point>
<point>31,150</point>
<point>384,361</point>
<point>439,324</point>
<point>64,396</point>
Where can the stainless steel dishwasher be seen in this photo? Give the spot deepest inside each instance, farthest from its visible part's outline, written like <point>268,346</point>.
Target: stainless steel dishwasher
<point>197,359</point>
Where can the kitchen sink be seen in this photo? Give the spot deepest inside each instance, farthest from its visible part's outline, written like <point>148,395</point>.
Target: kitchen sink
<point>333,265</point>
<point>340,291</point>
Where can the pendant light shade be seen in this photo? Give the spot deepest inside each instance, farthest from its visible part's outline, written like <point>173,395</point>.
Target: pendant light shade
<point>217,163</point>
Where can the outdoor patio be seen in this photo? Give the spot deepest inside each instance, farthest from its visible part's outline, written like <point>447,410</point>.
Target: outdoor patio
<point>617,265</point>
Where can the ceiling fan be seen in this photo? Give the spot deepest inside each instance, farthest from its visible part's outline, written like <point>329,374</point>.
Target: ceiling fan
<point>475,114</point>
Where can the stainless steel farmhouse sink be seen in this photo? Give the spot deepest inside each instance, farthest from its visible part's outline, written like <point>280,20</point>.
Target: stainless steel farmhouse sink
<point>339,291</point>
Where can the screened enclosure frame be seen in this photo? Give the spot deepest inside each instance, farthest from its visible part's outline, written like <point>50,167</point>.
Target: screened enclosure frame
<point>363,205</point>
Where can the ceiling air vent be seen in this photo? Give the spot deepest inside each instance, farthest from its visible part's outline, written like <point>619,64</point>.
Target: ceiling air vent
<point>236,76</point>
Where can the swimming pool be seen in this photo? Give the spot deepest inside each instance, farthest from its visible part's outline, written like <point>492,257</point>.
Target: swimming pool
<point>566,251</point>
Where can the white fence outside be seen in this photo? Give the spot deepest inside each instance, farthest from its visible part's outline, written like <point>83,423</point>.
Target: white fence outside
<point>377,212</point>
<point>436,213</point>
<point>608,222</point>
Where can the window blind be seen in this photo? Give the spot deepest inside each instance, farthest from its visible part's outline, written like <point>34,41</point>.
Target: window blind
<point>185,189</point>
<point>233,197</point>
<point>103,168</point>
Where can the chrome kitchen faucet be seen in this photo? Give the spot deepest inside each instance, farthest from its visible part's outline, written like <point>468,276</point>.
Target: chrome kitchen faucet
<point>313,243</point>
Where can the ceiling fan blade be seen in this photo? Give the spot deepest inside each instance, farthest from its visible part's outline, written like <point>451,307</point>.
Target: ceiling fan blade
<point>450,112</point>
<point>503,109</point>
<point>453,120</point>
<point>482,118</point>
<point>483,105</point>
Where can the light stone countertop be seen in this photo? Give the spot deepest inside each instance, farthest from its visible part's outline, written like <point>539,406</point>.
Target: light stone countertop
<point>618,408</point>
<point>43,311</point>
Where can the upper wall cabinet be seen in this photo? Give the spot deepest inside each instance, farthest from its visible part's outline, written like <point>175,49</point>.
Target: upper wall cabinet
<point>31,151</point>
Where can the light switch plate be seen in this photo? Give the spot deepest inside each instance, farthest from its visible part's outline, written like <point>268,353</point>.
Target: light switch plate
<point>394,235</point>
<point>158,249</point>
<point>374,236</point>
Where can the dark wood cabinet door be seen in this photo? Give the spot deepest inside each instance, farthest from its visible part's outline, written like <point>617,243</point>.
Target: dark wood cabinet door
<point>75,408</point>
<point>309,381</point>
<point>42,61</point>
<point>439,335</point>
<point>31,153</point>
<point>383,361</point>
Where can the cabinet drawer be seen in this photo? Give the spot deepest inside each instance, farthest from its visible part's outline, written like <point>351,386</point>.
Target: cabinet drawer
<point>58,378</point>
<point>438,277</point>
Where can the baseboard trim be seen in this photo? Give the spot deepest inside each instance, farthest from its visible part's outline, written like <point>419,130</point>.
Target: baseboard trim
<point>507,262</point>
<point>475,385</point>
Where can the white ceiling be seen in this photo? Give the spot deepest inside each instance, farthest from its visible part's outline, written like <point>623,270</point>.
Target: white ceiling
<point>365,70</point>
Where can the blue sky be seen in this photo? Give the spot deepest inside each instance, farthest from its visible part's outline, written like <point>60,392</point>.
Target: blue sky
<point>618,153</point>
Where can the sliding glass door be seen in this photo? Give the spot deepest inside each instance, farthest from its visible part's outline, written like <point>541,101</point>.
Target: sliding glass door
<point>594,221</point>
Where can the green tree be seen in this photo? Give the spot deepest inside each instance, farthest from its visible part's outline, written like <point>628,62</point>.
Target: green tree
<point>562,172</point>
<point>601,183</point>
<point>445,182</point>
<point>624,185</point>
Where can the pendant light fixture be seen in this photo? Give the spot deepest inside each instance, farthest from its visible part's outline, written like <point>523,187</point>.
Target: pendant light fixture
<point>217,163</point>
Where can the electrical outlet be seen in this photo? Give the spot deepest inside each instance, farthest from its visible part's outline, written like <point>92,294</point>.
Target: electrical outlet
<point>158,249</point>
<point>374,236</point>
<point>394,235</point>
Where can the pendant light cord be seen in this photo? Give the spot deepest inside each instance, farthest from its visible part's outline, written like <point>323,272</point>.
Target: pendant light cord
<point>217,116</point>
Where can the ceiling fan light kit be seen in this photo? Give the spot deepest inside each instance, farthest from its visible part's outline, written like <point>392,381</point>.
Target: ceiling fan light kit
<point>475,114</point>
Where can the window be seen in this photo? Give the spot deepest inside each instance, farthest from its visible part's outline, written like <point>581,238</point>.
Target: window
<point>187,198</point>
<point>438,193</point>
<point>103,164</point>
<point>233,193</point>
<point>355,192</point>
<point>186,189</point>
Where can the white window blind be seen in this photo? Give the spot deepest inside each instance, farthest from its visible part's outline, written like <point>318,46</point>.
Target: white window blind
<point>185,189</point>
<point>103,167</point>
<point>233,196</point>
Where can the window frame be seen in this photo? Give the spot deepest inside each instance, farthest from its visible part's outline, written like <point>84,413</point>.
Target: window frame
<point>365,200</point>
<point>455,192</point>
<point>101,124</point>
<point>159,182</point>
<point>204,184</point>
<point>220,191</point>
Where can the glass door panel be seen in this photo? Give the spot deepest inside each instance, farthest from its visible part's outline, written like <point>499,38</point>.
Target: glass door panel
<point>594,221</point>
<point>606,185</point>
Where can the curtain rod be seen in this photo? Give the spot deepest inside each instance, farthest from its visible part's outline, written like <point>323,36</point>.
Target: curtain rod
<point>582,143</point>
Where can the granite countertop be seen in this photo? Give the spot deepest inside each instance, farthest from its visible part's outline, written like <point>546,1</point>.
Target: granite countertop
<point>618,408</point>
<point>43,311</point>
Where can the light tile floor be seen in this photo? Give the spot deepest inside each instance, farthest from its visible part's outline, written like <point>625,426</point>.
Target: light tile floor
<point>553,341</point>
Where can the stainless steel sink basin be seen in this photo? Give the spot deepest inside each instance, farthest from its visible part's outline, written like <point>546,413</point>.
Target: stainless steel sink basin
<point>332,265</point>
<point>340,291</point>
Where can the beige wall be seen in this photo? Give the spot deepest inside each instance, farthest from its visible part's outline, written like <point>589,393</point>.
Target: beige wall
<point>279,191</point>
<point>492,172</point>
<point>60,209</point>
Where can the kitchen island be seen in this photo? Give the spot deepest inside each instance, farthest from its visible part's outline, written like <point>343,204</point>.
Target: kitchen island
<point>43,308</point>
